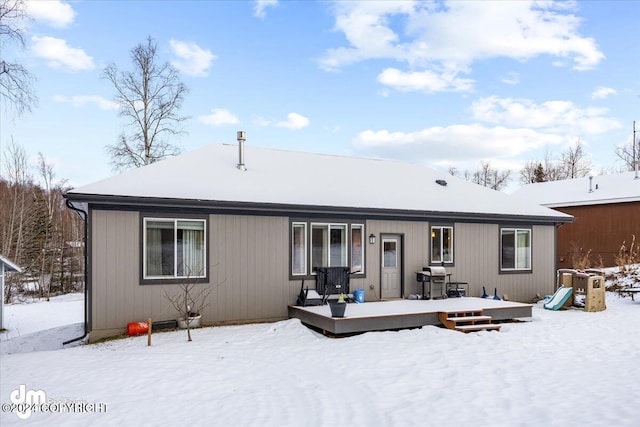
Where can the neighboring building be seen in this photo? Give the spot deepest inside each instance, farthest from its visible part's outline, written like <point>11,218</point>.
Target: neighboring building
<point>606,210</point>
<point>255,230</point>
<point>5,266</point>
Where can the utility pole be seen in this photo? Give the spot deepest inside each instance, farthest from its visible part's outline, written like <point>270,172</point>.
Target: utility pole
<point>635,160</point>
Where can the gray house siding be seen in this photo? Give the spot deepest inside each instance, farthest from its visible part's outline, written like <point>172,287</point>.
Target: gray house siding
<point>477,254</point>
<point>249,264</point>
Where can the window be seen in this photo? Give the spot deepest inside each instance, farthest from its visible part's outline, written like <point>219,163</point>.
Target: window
<point>357,249</point>
<point>326,245</point>
<point>174,248</point>
<point>389,253</point>
<point>515,249</point>
<point>299,249</point>
<point>441,245</point>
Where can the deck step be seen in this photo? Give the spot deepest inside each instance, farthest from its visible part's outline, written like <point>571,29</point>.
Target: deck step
<point>467,321</point>
<point>473,328</point>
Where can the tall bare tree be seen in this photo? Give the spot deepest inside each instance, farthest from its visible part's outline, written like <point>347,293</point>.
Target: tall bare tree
<point>630,152</point>
<point>16,82</point>
<point>575,162</point>
<point>150,97</point>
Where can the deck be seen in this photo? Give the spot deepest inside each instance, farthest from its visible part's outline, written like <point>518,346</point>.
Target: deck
<point>402,314</point>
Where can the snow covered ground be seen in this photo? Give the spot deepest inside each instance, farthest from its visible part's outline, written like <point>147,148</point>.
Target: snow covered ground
<point>563,368</point>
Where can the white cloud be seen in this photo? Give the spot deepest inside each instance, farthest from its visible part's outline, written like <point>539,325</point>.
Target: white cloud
<point>294,121</point>
<point>427,81</point>
<point>455,143</point>
<point>260,7</point>
<point>555,116</point>
<point>602,92</point>
<point>192,59</point>
<point>451,36</point>
<point>219,117</point>
<point>82,100</point>
<point>60,55</point>
<point>511,78</point>
<point>53,12</point>
<point>261,121</point>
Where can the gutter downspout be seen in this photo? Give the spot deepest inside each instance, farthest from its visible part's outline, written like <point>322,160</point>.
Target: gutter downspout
<point>84,216</point>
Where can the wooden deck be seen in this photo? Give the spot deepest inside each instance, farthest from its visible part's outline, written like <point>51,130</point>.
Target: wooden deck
<point>402,314</point>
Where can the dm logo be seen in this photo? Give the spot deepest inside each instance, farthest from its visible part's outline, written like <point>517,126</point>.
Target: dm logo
<point>25,400</point>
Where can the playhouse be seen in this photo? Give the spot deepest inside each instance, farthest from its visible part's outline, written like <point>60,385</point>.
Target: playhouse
<point>578,289</point>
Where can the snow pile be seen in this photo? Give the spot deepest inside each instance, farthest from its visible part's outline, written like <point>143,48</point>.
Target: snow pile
<point>561,368</point>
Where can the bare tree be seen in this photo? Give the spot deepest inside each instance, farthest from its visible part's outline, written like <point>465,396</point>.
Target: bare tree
<point>149,98</point>
<point>189,301</point>
<point>490,177</point>
<point>16,82</point>
<point>485,176</point>
<point>630,152</point>
<point>574,161</point>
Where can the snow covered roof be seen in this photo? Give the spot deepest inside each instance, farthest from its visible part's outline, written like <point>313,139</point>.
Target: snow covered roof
<point>8,265</point>
<point>286,178</point>
<point>617,188</point>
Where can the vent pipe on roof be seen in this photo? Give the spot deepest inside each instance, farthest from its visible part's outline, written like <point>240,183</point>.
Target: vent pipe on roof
<point>241,138</point>
<point>590,184</point>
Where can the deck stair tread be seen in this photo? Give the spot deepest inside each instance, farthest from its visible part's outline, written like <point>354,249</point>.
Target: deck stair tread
<point>464,319</point>
<point>484,327</point>
<point>467,321</point>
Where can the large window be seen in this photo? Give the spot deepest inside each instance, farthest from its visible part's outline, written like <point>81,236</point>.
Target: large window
<point>441,244</point>
<point>326,245</point>
<point>515,249</point>
<point>174,248</point>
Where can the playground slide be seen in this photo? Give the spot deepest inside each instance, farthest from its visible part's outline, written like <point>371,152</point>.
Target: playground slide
<point>559,298</point>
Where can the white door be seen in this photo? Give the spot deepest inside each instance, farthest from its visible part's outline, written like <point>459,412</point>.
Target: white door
<point>391,269</point>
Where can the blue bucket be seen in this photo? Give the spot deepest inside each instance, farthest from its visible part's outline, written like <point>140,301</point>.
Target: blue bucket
<point>358,295</point>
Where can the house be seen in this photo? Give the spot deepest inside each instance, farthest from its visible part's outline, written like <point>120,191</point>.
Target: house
<point>5,266</point>
<point>606,210</point>
<point>255,223</point>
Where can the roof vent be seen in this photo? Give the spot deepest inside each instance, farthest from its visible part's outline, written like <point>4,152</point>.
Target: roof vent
<point>441,182</point>
<point>241,138</point>
<point>590,184</point>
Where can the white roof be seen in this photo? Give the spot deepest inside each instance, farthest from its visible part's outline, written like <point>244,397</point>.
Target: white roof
<point>8,265</point>
<point>283,177</point>
<point>617,188</point>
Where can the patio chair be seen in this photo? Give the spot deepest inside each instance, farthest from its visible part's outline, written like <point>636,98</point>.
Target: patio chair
<point>308,297</point>
<point>333,281</point>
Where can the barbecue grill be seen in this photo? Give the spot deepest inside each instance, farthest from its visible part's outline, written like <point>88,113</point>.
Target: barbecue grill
<point>432,276</point>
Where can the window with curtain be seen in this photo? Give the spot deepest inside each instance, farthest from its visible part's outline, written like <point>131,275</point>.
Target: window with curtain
<point>174,248</point>
<point>357,248</point>
<point>441,244</point>
<point>299,249</point>
<point>515,249</point>
<point>315,245</point>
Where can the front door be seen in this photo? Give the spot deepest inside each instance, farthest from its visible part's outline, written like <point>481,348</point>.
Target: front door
<point>391,270</point>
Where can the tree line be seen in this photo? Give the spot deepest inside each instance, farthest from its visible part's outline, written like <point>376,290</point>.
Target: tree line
<point>37,230</point>
<point>572,163</point>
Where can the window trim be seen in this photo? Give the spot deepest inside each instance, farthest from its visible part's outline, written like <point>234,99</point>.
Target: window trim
<point>363,243</point>
<point>515,269</point>
<point>305,248</point>
<point>453,237</point>
<point>329,225</point>
<point>310,222</point>
<point>162,280</point>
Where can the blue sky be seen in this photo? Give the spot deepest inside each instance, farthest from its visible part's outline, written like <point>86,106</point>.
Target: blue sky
<point>437,83</point>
